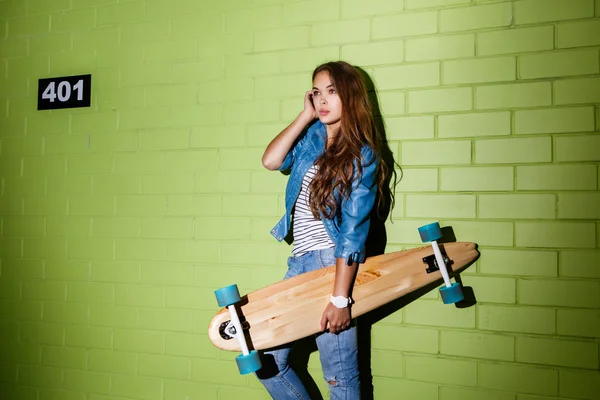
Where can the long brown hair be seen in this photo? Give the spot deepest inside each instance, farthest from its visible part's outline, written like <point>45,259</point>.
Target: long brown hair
<point>336,167</point>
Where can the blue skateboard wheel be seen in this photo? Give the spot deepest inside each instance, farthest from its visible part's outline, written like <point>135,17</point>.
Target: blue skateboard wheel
<point>227,295</point>
<point>249,363</point>
<point>452,294</point>
<point>430,232</point>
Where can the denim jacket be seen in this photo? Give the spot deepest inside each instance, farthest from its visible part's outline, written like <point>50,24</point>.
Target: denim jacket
<point>349,231</point>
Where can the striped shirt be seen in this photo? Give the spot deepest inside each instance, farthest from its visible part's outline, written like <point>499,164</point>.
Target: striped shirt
<point>309,232</point>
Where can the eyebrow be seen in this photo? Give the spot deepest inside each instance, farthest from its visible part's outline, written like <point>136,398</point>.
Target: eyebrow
<point>328,86</point>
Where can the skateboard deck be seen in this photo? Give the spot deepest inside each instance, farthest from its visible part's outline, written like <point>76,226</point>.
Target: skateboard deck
<point>291,309</point>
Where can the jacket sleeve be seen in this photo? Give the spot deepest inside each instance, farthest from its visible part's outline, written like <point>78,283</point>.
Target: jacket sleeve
<point>290,157</point>
<point>356,211</point>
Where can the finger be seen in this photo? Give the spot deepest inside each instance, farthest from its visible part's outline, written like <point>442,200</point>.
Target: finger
<point>323,322</point>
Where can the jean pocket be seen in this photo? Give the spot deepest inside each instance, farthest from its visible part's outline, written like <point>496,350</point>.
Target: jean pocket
<point>327,257</point>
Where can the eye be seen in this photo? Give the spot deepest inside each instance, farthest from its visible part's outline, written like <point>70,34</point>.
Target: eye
<point>315,93</point>
<point>331,91</point>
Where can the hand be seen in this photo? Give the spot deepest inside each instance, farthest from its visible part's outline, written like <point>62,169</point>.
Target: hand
<point>337,318</point>
<point>309,109</point>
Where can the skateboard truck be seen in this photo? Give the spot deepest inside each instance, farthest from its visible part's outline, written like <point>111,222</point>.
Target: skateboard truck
<point>450,292</point>
<point>248,361</point>
<point>432,263</point>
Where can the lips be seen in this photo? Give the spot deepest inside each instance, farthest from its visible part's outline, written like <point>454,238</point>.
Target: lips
<point>323,112</point>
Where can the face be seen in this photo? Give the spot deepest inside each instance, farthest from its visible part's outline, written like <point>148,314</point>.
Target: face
<point>326,101</point>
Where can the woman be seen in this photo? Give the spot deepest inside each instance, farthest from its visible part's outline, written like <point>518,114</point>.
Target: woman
<point>335,178</point>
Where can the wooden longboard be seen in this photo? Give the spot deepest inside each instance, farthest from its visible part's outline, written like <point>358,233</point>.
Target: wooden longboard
<point>291,309</point>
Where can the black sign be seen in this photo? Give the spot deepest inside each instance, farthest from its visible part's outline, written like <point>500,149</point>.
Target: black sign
<point>64,92</point>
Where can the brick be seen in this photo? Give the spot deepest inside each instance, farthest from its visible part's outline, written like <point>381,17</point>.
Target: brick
<point>29,26</point>
<point>73,313</point>
<point>138,341</point>
<point>579,384</point>
<point>150,117</point>
<point>517,378</point>
<point>164,367</point>
<point>35,375</point>
<point>441,370</point>
<point>479,70</point>
<point>248,20</point>
<point>392,103</point>
<point>166,320</point>
<point>91,205</point>
<point>164,140</point>
<point>517,206</point>
<point>483,233</point>
<point>559,64</point>
<point>189,346</point>
<point>385,388</point>
<point>240,113</point>
<point>89,164</point>
<point>477,345</point>
<point>21,147</point>
<point>557,352</point>
<point>137,295</point>
<point>157,9</point>
<point>513,150</point>
<point>417,127</point>
<point>418,180</point>
<point>11,288</point>
<point>34,332</point>
<point>168,184</point>
<point>443,206</point>
<point>475,17</point>
<point>60,395</point>
<point>111,271</point>
<point>387,364</point>
<point>493,290</point>
<point>559,293</point>
<point>112,361</point>
<point>407,76</point>
<point>87,381</point>
<point>281,86</point>
<point>574,235</point>
<point>93,293</point>
<point>473,125</point>
<point>23,226</point>
<point>44,205</point>
<point>116,184</point>
<point>153,273</point>
<point>579,205</point>
<point>535,11</point>
<point>179,389</point>
<point>14,47</point>
<point>458,393</point>
<point>22,269</point>
<point>515,40</point>
<point>140,249</point>
<point>439,100</point>
<point>88,337</point>
<point>113,316</point>
<point>432,312</point>
<point>120,13</point>
<point>513,95</point>
<point>283,39</point>
<point>554,120</point>
<point>215,137</point>
<point>577,148</point>
<point>440,47</point>
<point>444,153</point>
<point>183,50</point>
<point>517,319</point>
<point>20,310</point>
<point>48,291</point>
<point>578,263</point>
<point>578,34</point>
<point>412,4</point>
<point>402,25</point>
<point>148,31</point>
<point>557,177</point>
<point>136,387</point>
<point>72,20</point>
<point>233,253</point>
<point>66,144</point>
<point>192,251</point>
<point>91,248</point>
<point>577,91</point>
<point>122,141</point>
<point>63,270</point>
<point>357,8</point>
<point>340,32</point>
<point>476,179</point>
<point>45,248</point>
<point>66,357</point>
<point>579,323</point>
<point>253,65</point>
<point>378,53</point>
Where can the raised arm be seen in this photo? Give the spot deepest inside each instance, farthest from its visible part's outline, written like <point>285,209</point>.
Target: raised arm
<point>279,147</point>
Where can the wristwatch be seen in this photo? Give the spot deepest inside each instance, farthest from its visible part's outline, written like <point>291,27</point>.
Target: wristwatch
<point>340,301</point>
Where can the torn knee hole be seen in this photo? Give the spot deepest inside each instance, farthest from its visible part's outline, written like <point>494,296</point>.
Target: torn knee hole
<point>332,382</point>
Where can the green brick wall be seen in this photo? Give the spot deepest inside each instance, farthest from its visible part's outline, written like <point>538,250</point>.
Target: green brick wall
<point>119,220</point>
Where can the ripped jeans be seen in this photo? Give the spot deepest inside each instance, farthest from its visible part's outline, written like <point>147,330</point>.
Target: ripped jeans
<point>338,352</point>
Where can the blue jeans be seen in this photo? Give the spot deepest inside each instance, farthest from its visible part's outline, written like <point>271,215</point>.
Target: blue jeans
<point>338,352</point>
